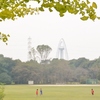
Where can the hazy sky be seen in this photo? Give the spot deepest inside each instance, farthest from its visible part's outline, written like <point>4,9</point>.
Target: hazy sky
<point>82,38</point>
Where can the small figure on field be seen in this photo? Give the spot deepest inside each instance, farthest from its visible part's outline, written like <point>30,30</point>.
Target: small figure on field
<point>37,92</point>
<point>92,91</point>
<point>41,91</point>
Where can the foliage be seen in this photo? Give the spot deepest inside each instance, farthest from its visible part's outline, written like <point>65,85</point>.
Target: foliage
<point>6,65</point>
<point>5,78</point>
<point>12,9</point>
<point>57,71</point>
<point>84,8</point>
<point>44,51</point>
<point>41,53</point>
<point>4,37</point>
<point>1,92</point>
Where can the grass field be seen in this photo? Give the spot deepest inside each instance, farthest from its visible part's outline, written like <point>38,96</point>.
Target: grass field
<point>27,92</point>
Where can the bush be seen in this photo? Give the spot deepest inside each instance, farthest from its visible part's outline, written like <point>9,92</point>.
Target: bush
<point>1,92</point>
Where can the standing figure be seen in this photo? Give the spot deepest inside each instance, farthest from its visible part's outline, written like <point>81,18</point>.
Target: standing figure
<point>92,91</point>
<point>37,92</point>
<point>41,91</point>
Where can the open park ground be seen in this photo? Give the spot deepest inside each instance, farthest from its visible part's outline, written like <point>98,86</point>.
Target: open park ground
<point>52,92</point>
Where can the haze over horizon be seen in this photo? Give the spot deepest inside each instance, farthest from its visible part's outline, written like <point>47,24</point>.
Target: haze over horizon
<point>82,38</point>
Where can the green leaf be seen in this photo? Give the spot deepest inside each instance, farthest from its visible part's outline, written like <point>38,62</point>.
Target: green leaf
<point>98,17</point>
<point>87,1</point>
<point>94,5</point>
<point>41,9</point>
<point>26,0</point>
<point>93,17</point>
<point>8,35</point>
<point>76,11</point>
<point>70,10</point>
<point>5,39</point>
<point>61,14</point>
<point>50,10</point>
<point>84,18</point>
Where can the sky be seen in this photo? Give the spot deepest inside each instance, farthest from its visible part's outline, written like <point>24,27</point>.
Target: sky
<point>82,38</point>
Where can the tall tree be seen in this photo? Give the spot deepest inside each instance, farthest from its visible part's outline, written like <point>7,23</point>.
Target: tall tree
<point>44,51</point>
<point>33,51</point>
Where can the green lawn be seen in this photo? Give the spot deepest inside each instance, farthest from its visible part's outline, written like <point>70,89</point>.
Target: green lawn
<point>27,92</point>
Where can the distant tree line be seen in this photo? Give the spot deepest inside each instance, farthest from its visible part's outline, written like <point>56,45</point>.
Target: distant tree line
<point>61,71</point>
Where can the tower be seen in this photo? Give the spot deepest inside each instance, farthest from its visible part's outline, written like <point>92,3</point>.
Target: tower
<point>62,50</point>
<point>29,49</point>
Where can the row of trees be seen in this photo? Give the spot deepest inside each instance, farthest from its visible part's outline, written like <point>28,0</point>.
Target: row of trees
<point>61,71</point>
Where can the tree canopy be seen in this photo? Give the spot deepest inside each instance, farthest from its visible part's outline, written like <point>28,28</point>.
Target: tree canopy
<point>12,9</point>
<point>84,8</point>
<point>58,71</point>
<point>44,51</point>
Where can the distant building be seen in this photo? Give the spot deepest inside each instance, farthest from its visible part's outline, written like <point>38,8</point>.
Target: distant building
<point>62,50</point>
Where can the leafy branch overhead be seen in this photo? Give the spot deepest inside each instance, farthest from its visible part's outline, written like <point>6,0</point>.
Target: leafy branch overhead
<point>4,37</point>
<point>12,9</point>
<point>86,9</point>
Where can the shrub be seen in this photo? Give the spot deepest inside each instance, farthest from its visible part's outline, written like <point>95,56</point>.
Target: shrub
<point>1,92</point>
